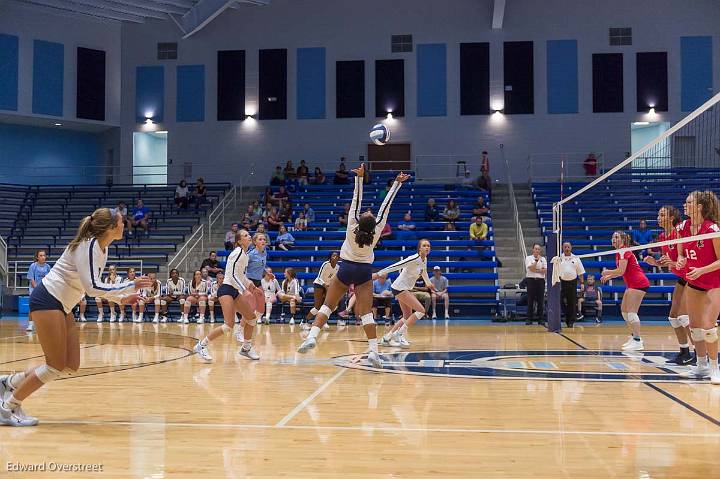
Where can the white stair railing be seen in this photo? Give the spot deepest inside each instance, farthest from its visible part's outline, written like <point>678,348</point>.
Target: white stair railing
<point>519,237</point>
<point>218,213</point>
<point>197,238</point>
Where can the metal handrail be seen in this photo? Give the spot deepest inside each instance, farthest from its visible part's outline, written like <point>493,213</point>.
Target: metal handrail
<point>519,236</point>
<point>3,258</point>
<point>197,237</point>
<point>567,166</point>
<point>219,210</point>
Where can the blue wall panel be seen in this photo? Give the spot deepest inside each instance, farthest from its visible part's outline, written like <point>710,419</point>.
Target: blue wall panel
<point>696,75</point>
<point>310,83</point>
<point>48,71</point>
<point>8,72</point>
<point>190,93</point>
<point>432,79</point>
<point>149,93</point>
<point>562,76</point>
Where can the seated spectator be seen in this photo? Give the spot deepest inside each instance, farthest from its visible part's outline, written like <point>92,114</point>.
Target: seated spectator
<point>431,211</point>
<point>111,278</point>
<point>309,213</point>
<point>281,196</point>
<point>318,177</point>
<point>245,222</point>
<point>301,222</point>
<point>285,241</point>
<point>289,170</point>
<point>342,177</point>
<point>343,218</point>
<point>451,212</point>
<point>406,228</point>
<point>175,290</point>
<point>484,182</point>
<point>199,194</point>
<point>386,233</point>
<point>140,217</point>
<point>230,237</point>
<point>212,265</point>
<point>182,193</point>
<point>422,293</point>
<point>642,235</point>
<point>254,218</point>
<point>481,209</point>
<point>285,212</point>
<point>383,193</point>
<point>349,305</point>
<point>266,211</point>
<point>257,210</point>
<point>121,208</point>
<point>382,296</point>
<point>303,172</point>
<point>590,164</point>
<point>273,219</point>
<point>467,182</point>
<point>278,177</point>
<point>592,295</point>
<point>479,231</point>
<point>441,284</point>
<point>261,228</point>
<point>267,196</point>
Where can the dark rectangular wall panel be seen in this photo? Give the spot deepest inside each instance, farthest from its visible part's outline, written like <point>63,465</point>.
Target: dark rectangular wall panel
<point>696,58</point>
<point>9,57</point>
<point>518,71</point>
<point>390,88</point>
<point>230,85</point>
<point>607,82</point>
<point>474,78</point>
<point>652,81</point>
<point>48,77</point>
<point>272,79</point>
<point>90,96</point>
<point>350,89</point>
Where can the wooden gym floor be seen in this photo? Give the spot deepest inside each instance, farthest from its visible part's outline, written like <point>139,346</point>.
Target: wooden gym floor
<point>467,400</point>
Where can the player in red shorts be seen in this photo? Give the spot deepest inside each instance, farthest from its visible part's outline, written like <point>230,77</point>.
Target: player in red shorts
<point>702,295</point>
<point>668,219</point>
<point>636,285</point>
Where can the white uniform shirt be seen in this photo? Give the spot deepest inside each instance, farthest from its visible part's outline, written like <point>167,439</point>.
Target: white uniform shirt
<point>152,292</point>
<point>326,273</point>
<point>270,286</point>
<point>413,267</point>
<point>78,272</point>
<point>175,289</point>
<point>202,287</point>
<point>116,281</point>
<point>541,264</point>
<point>235,269</point>
<point>291,287</point>
<point>570,267</point>
<point>350,250</point>
<point>214,285</point>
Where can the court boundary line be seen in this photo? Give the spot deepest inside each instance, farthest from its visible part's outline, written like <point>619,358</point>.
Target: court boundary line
<point>289,416</point>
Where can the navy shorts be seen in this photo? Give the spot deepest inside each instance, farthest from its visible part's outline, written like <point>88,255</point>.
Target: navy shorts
<point>256,282</point>
<point>320,287</point>
<point>682,282</point>
<point>351,272</point>
<point>42,300</point>
<point>395,292</point>
<point>227,290</point>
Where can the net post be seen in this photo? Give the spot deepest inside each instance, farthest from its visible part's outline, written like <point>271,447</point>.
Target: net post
<point>553,292</point>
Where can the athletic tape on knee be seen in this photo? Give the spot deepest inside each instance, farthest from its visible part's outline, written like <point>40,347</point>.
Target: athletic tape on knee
<point>46,373</point>
<point>633,318</point>
<point>684,320</point>
<point>226,328</point>
<point>419,315</point>
<point>697,334</point>
<point>182,302</point>
<point>711,335</point>
<point>324,309</point>
<point>158,302</point>
<point>211,303</point>
<point>675,322</point>
<point>163,302</point>
<point>314,311</point>
<point>366,319</point>
<point>202,303</point>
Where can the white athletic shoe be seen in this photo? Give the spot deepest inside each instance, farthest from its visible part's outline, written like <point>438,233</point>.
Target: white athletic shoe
<point>100,318</point>
<point>341,323</point>
<point>249,353</point>
<point>404,343</point>
<point>634,346</point>
<point>266,320</point>
<point>394,341</point>
<point>156,319</point>
<point>121,318</point>
<point>696,372</point>
<point>112,318</point>
<point>384,341</point>
<point>83,319</point>
<point>30,327</point>
<point>138,318</point>
<point>292,320</point>
<point>715,376</point>
<point>201,320</point>
<point>434,316</point>
<point>374,359</point>
<point>326,326</point>
<point>185,319</point>
<point>212,319</point>
<point>447,316</point>
<point>307,345</point>
<point>164,319</point>
<point>4,387</point>
<point>627,343</point>
<point>203,352</point>
<point>15,416</point>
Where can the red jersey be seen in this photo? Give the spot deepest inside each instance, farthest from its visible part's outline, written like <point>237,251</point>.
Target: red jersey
<point>701,253</point>
<point>634,276</point>
<point>671,251</point>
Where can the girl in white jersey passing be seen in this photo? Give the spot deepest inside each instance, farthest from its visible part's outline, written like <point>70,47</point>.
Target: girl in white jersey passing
<point>75,274</point>
<point>357,254</point>
<point>413,267</point>
<point>231,299</point>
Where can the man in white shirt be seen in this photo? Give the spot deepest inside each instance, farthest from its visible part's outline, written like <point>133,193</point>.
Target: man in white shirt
<point>536,268</point>
<point>571,268</point>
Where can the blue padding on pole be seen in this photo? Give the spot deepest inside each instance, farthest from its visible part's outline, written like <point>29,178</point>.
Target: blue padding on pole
<point>553,292</point>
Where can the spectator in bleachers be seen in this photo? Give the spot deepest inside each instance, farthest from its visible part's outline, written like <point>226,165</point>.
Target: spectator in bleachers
<point>481,209</point>
<point>342,176</point>
<point>479,231</point>
<point>273,219</point>
<point>254,217</point>
<point>422,293</point>
<point>450,227</point>
<point>181,195</point>
<point>285,241</point>
<point>290,292</point>
<point>211,263</point>
<point>319,177</point>
<point>285,212</point>
<point>35,274</point>
<point>257,210</point>
<point>382,296</point>
<point>406,228</point>
<point>289,171</point>
<point>451,212</point>
<point>590,164</point>
<point>431,211</point>
<point>303,172</point>
<point>199,194</point>
<point>593,295</point>
<point>120,209</point>
<point>230,237</point>
<point>140,217</point>
<point>641,236</point>
<point>467,182</point>
<point>301,222</point>
<point>309,213</point>
<point>267,196</point>
<point>111,278</point>
<point>261,228</point>
<point>484,182</point>
<point>245,222</point>
<point>266,211</point>
<point>278,177</point>
<point>485,163</point>
<point>536,268</point>
<point>383,193</point>
<point>386,233</point>
<point>441,284</point>
<point>571,269</point>
<point>343,218</point>
<point>282,196</point>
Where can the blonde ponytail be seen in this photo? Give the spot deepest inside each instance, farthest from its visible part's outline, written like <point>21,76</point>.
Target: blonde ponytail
<point>99,222</point>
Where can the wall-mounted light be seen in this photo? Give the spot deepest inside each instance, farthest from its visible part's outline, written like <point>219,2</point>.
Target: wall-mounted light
<point>148,121</point>
<point>641,123</point>
<point>651,111</point>
<point>389,115</point>
<point>58,124</point>
<point>249,117</point>
<point>498,112</point>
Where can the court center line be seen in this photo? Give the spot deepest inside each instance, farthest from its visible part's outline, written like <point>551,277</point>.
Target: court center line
<point>388,429</point>
<point>309,399</point>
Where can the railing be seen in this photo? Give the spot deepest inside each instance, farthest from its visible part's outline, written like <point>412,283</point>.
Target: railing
<point>198,237</point>
<point>18,271</point>
<point>230,198</point>
<point>85,175</point>
<point>3,259</point>
<point>519,237</point>
<point>446,168</point>
<point>567,166</point>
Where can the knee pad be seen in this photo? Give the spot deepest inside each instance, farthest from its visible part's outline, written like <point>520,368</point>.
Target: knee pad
<point>226,328</point>
<point>366,319</point>
<point>46,373</point>
<point>211,303</point>
<point>324,309</point>
<point>163,302</point>
<point>157,302</point>
<point>697,334</point>
<point>684,320</point>
<point>182,302</point>
<point>292,303</point>
<point>313,311</point>
<point>419,315</point>
<point>675,322</point>
<point>202,303</point>
<point>633,318</point>
<point>711,335</point>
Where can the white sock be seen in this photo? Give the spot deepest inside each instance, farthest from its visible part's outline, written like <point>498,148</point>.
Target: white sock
<point>314,331</point>
<point>373,344</point>
<point>247,344</point>
<point>268,309</point>
<point>686,345</point>
<point>12,402</point>
<point>702,362</point>
<point>204,341</point>
<point>403,329</point>
<point>713,364</point>
<point>16,379</point>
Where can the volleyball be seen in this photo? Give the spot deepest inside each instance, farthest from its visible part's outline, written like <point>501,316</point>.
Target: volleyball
<point>380,134</point>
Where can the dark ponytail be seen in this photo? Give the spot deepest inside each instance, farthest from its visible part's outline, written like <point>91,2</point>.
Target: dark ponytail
<point>365,231</point>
